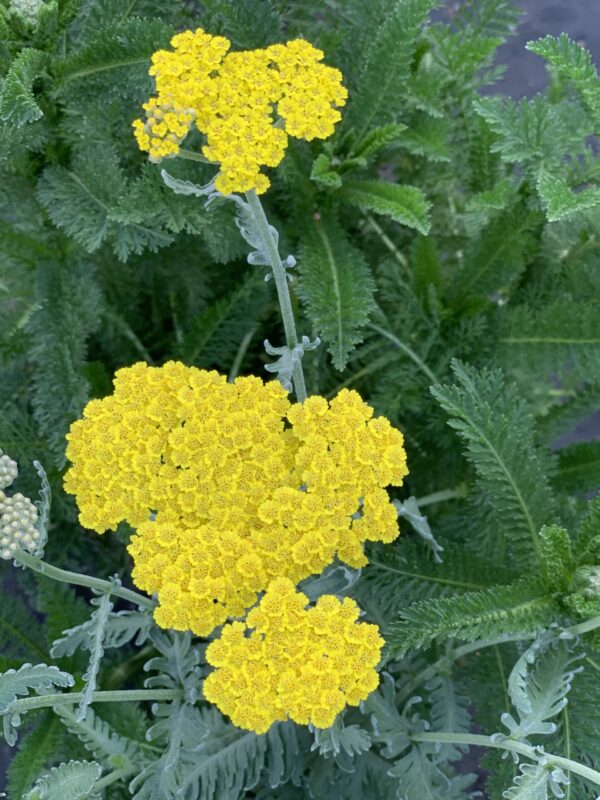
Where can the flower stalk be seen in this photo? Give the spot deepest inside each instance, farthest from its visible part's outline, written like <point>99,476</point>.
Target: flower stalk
<point>74,698</point>
<point>282,286</point>
<point>533,753</point>
<point>77,579</point>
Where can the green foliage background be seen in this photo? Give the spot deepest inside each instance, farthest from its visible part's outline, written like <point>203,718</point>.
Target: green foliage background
<point>448,247</point>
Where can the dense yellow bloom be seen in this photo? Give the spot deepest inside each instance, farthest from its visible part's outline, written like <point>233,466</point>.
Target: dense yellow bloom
<point>230,485</point>
<point>288,661</point>
<point>235,99</point>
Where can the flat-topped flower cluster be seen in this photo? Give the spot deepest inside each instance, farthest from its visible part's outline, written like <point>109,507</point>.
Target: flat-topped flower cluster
<point>246,103</point>
<point>290,661</point>
<point>231,487</point>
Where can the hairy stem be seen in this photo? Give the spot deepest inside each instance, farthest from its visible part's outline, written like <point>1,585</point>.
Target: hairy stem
<point>281,284</point>
<point>191,156</point>
<point>113,777</point>
<point>526,750</point>
<point>72,698</point>
<point>77,579</point>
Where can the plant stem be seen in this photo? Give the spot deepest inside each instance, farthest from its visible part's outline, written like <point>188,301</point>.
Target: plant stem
<point>445,662</point>
<point>76,578</point>
<point>533,753</point>
<point>407,351</point>
<point>191,156</point>
<point>72,698</point>
<point>387,241</point>
<point>112,777</point>
<point>584,627</point>
<point>239,356</point>
<point>281,284</point>
<point>443,494</point>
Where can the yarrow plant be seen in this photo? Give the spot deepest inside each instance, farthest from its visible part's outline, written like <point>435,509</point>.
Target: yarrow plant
<point>278,609</point>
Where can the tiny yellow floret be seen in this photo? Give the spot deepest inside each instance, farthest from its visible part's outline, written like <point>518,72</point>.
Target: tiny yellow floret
<point>246,104</point>
<point>229,485</point>
<point>292,662</point>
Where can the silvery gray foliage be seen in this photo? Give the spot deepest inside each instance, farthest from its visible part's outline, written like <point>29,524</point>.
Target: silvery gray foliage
<point>187,187</point>
<point>43,506</point>
<point>289,359</point>
<point>409,510</point>
<point>251,233</point>
<point>337,579</point>
<point>538,687</point>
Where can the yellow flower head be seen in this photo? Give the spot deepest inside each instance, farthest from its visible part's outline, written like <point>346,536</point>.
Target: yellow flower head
<point>230,485</point>
<point>290,662</point>
<point>237,100</point>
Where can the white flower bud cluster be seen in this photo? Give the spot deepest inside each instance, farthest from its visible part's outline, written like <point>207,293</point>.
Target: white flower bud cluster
<point>27,9</point>
<point>8,471</point>
<point>18,531</point>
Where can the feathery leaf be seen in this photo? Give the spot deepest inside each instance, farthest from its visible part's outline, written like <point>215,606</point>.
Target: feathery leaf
<point>18,105</point>
<point>336,286</point>
<point>404,204</point>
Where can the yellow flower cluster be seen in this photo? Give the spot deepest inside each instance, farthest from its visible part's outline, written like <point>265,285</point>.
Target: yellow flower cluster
<point>233,99</point>
<point>230,485</point>
<point>288,661</point>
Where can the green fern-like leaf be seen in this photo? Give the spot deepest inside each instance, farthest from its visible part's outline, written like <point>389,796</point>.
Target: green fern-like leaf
<point>556,556</point>
<point>21,635</point>
<point>387,66</point>
<point>73,780</point>
<point>81,200</point>
<point>495,259</point>
<point>518,608</point>
<point>248,25</point>
<point>37,751</point>
<point>18,105</point>
<point>113,62</point>
<point>376,139</point>
<point>584,709</point>
<point>533,132</point>
<point>336,286</point>
<point>403,572</point>
<point>561,201</point>
<point>404,204</point>
<point>213,337</point>
<point>562,336</point>
<point>60,327</point>
<point>573,62</point>
<point>497,429</point>
<point>428,137</point>
<point>487,17</point>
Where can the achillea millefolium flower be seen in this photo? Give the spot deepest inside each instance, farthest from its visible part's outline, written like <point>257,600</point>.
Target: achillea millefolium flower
<point>229,485</point>
<point>246,103</point>
<point>290,661</point>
